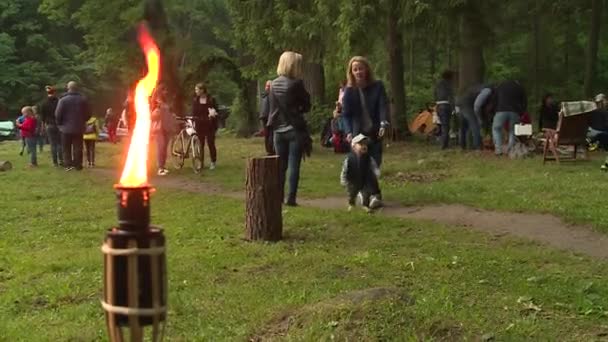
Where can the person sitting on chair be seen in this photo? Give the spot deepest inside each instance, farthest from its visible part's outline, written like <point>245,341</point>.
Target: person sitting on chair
<point>597,135</point>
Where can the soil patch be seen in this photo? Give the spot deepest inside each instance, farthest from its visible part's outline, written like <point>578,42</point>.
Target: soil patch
<point>542,228</point>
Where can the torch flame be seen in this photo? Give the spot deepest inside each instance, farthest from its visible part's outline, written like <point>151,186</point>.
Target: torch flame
<point>135,172</point>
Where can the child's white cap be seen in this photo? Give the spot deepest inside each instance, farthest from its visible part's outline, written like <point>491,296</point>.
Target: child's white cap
<point>359,139</point>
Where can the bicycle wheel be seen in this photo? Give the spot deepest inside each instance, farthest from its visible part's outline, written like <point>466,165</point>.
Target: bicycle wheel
<point>197,158</point>
<point>177,151</point>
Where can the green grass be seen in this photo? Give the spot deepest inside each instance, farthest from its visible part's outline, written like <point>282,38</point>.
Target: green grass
<point>464,284</point>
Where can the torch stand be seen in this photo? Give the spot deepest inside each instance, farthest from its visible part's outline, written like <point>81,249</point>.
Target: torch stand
<point>135,281</point>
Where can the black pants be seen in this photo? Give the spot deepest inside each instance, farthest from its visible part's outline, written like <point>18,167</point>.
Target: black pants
<point>445,111</point>
<point>52,132</point>
<point>369,189</point>
<point>90,146</point>
<point>206,133</point>
<point>72,150</point>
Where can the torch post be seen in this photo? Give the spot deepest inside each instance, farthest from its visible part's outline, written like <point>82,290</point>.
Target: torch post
<point>135,281</point>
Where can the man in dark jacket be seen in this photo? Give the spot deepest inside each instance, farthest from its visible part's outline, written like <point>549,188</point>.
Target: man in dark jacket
<point>444,99</point>
<point>47,111</point>
<point>71,115</point>
<point>511,102</point>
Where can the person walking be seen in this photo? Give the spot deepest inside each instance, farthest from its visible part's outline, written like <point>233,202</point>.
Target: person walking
<point>28,133</point>
<point>71,115</point>
<point>204,109</point>
<point>365,106</point>
<point>18,123</point>
<point>470,122</point>
<point>360,176</point>
<point>47,112</point>
<point>91,133</point>
<point>111,123</point>
<point>511,102</point>
<point>264,112</point>
<point>444,99</point>
<point>162,127</point>
<point>289,100</point>
<point>40,135</point>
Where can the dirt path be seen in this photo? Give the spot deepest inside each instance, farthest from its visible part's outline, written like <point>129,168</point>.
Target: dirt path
<point>545,229</point>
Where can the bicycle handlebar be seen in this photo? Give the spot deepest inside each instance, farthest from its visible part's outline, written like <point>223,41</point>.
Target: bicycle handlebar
<point>184,118</point>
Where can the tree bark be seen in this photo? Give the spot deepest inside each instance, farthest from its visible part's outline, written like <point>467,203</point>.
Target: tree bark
<point>263,207</point>
<point>314,81</point>
<point>249,95</point>
<point>594,34</point>
<point>396,68</point>
<point>536,42</point>
<point>470,62</point>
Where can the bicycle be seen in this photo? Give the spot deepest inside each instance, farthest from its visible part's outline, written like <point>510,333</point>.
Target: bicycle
<point>186,144</point>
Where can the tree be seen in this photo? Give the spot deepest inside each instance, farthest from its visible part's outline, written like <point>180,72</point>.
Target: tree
<point>592,47</point>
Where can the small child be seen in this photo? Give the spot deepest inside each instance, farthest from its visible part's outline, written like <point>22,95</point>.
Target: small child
<point>90,136</point>
<point>28,133</point>
<point>360,176</point>
<point>18,123</point>
<point>40,136</point>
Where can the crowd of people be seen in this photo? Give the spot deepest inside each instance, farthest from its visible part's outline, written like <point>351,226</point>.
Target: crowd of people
<point>359,124</point>
<point>67,124</point>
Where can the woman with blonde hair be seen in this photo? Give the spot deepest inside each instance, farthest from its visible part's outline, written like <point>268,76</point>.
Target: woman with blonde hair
<point>288,101</point>
<point>365,106</point>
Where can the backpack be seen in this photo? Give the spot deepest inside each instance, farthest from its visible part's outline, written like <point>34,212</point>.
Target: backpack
<point>91,128</point>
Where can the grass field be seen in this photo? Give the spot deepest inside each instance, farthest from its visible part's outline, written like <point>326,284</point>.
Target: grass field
<point>444,283</point>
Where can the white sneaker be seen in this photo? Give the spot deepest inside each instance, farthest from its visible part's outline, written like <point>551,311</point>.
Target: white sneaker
<point>375,203</point>
<point>359,200</point>
<point>162,172</point>
<point>212,166</point>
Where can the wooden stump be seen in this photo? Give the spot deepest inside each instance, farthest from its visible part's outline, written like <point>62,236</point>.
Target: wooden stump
<point>263,213</point>
<point>5,165</point>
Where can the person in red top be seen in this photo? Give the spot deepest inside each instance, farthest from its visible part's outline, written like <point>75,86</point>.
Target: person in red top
<point>28,132</point>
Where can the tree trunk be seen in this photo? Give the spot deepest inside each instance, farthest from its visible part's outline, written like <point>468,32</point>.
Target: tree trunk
<point>411,57</point>
<point>594,34</point>
<point>470,62</point>
<point>263,207</point>
<point>396,67</point>
<point>249,95</point>
<point>314,81</point>
<point>5,165</point>
<point>433,58</point>
<point>536,42</point>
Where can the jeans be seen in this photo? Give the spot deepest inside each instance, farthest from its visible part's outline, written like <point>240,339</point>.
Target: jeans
<point>162,142</point>
<point>497,125</point>
<point>31,149</point>
<point>72,150</point>
<point>55,141</point>
<point>289,151</point>
<point>600,137</point>
<point>90,147</point>
<point>444,111</point>
<point>374,149</point>
<point>470,122</point>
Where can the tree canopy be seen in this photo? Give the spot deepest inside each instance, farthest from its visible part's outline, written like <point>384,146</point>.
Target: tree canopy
<point>550,46</point>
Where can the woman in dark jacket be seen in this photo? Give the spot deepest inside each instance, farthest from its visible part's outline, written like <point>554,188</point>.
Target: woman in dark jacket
<point>288,101</point>
<point>363,90</point>
<point>204,109</point>
<point>548,113</point>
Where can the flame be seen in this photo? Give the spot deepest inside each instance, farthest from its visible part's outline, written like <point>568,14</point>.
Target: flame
<point>135,172</point>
